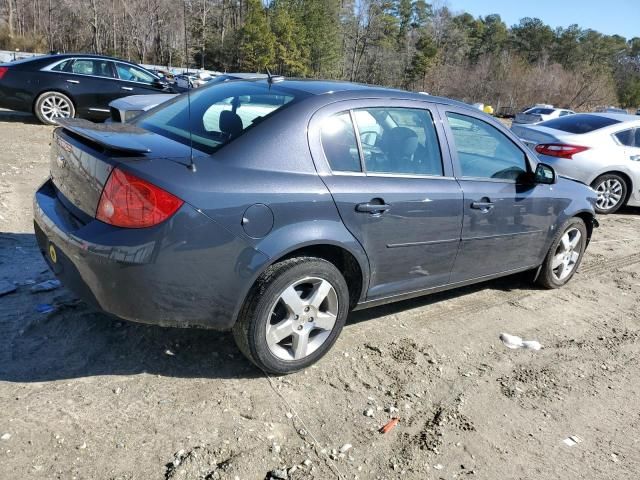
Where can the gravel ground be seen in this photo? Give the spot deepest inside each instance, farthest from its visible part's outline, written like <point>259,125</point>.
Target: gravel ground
<point>87,396</point>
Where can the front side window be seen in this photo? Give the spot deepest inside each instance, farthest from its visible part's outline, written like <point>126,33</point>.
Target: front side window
<point>213,116</point>
<point>97,68</point>
<point>399,140</point>
<point>339,143</point>
<point>484,151</point>
<point>133,74</point>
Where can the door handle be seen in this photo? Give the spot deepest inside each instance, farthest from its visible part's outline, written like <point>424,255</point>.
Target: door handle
<point>129,89</point>
<point>372,208</point>
<point>484,205</point>
<point>73,81</point>
<point>635,158</point>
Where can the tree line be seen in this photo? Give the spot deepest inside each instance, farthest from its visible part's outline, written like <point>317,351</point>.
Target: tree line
<point>409,44</point>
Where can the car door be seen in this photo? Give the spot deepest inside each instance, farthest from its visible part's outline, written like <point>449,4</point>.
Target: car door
<point>88,80</point>
<point>507,217</point>
<point>386,167</point>
<point>135,81</point>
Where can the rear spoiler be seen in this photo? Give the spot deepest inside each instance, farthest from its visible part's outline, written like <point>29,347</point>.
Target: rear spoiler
<point>122,137</point>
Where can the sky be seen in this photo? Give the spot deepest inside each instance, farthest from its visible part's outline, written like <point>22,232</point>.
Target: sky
<point>611,17</point>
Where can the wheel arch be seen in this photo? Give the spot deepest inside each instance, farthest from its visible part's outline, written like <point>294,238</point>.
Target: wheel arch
<point>589,220</point>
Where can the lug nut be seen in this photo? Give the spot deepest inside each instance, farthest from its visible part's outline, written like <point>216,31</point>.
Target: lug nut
<point>311,319</point>
<point>299,327</point>
<point>306,309</point>
<point>296,317</point>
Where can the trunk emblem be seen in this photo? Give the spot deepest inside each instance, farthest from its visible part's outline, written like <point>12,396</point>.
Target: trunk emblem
<point>60,161</point>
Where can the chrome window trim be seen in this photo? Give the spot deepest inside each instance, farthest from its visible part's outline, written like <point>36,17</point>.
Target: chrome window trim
<point>49,68</point>
<point>53,65</point>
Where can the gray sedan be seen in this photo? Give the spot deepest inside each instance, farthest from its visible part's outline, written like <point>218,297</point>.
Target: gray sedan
<point>274,207</point>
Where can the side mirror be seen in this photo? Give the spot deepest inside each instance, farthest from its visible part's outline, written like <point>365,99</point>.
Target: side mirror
<point>545,174</point>
<point>160,83</point>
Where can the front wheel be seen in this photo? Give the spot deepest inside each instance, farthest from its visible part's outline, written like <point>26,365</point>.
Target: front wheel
<point>293,315</point>
<point>611,190</point>
<point>565,255</point>
<point>51,106</point>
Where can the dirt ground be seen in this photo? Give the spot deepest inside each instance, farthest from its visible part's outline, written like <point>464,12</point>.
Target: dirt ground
<point>85,396</point>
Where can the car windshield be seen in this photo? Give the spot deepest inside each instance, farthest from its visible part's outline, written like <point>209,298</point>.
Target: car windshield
<point>579,123</point>
<point>213,116</point>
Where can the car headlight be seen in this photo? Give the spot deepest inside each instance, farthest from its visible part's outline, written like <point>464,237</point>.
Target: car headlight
<point>131,114</point>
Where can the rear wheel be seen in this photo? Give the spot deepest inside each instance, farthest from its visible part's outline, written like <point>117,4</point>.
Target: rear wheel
<point>612,192</point>
<point>293,315</point>
<point>51,106</point>
<point>565,255</point>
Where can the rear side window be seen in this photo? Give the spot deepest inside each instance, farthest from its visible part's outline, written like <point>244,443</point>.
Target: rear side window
<point>484,151</point>
<point>339,143</point>
<point>98,68</point>
<point>627,137</point>
<point>62,66</point>
<point>213,116</point>
<point>579,123</point>
<point>399,140</point>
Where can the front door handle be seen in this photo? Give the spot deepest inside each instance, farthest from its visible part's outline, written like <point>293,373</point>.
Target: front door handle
<point>485,205</point>
<point>372,207</point>
<point>635,158</point>
<point>129,89</point>
<point>73,81</point>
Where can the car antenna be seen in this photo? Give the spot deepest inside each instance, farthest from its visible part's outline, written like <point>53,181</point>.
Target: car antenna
<point>192,165</point>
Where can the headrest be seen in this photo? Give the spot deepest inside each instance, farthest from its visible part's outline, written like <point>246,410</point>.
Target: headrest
<point>401,142</point>
<point>230,123</point>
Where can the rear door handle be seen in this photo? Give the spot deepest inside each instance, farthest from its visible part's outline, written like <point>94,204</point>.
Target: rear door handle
<point>73,81</point>
<point>129,89</point>
<point>372,207</point>
<point>484,206</point>
<point>635,158</point>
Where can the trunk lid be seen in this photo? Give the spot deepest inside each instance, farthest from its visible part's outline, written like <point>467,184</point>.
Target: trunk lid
<point>534,135</point>
<point>83,154</point>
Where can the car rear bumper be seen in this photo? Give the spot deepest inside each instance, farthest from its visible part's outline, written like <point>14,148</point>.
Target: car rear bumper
<point>187,271</point>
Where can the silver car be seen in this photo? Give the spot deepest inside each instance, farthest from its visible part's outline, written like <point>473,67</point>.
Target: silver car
<point>599,149</point>
<point>541,114</point>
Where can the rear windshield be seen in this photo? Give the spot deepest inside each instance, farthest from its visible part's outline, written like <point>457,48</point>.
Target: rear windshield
<point>215,115</point>
<point>540,111</point>
<point>579,123</point>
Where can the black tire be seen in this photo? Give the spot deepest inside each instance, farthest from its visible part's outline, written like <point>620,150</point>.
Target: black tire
<point>250,330</point>
<point>548,276</point>
<point>614,179</point>
<point>67,108</point>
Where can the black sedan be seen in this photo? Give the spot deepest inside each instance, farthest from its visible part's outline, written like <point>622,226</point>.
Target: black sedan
<point>72,85</point>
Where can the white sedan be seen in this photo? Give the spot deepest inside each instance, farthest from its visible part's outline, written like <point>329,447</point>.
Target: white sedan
<point>541,114</point>
<point>599,149</point>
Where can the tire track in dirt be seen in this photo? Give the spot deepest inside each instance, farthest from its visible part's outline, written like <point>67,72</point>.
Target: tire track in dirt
<point>585,273</point>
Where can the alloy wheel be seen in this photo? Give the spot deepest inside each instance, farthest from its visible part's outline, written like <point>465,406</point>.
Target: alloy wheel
<point>609,193</point>
<point>567,254</point>
<point>55,106</point>
<point>302,318</point>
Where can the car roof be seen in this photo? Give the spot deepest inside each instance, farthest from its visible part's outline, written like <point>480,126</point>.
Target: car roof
<point>621,117</point>
<point>357,90</point>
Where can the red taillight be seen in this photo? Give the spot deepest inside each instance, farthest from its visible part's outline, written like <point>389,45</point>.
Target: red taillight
<point>3,70</point>
<point>128,201</point>
<point>559,150</point>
